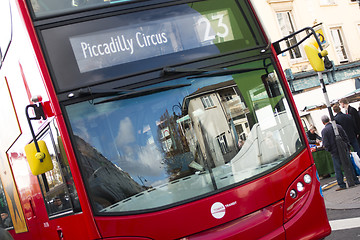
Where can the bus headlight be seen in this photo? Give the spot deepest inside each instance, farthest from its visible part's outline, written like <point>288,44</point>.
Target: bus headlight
<point>300,186</point>
<point>293,193</point>
<point>307,178</point>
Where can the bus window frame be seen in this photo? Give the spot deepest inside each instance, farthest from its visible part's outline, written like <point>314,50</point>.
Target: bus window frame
<point>6,206</point>
<point>47,132</point>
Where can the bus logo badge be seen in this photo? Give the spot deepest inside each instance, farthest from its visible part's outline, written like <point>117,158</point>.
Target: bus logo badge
<point>218,210</point>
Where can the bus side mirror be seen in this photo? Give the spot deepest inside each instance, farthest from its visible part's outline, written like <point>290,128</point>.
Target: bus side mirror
<point>39,162</point>
<point>37,152</point>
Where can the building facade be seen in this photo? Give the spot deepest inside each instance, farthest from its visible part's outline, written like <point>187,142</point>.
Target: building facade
<point>338,23</point>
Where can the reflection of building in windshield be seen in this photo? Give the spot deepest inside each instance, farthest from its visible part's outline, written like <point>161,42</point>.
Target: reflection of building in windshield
<point>108,183</point>
<point>215,123</point>
<point>175,147</point>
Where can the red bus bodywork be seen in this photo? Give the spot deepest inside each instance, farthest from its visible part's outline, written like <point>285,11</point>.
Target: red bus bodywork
<point>253,210</point>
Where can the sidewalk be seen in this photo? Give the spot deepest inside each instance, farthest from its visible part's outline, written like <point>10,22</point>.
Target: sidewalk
<point>345,199</point>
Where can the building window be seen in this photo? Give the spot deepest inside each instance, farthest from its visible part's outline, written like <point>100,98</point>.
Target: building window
<point>339,45</point>
<point>228,96</point>
<point>167,145</point>
<point>287,27</point>
<point>355,1</point>
<point>223,144</point>
<point>207,102</point>
<point>327,2</point>
<point>304,125</point>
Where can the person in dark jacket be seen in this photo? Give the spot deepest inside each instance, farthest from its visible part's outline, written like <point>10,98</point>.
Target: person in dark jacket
<point>344,103</point>
<point>348,125</point>
<point>329,142</point>
<point>6,220</point>
<point>312,136</point>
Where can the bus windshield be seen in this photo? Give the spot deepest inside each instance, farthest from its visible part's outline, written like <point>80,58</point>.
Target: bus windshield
<point>183,139</point>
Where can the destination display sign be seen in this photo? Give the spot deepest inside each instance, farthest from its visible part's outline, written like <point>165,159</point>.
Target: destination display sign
<point>121,45</point>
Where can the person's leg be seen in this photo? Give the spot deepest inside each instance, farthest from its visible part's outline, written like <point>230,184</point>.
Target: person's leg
<point>338,173</point>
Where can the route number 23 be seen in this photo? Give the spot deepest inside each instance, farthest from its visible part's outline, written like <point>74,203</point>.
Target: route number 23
<point>222,28</point>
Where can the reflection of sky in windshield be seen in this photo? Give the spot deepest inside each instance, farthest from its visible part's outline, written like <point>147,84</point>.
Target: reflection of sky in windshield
<point>126,131</point>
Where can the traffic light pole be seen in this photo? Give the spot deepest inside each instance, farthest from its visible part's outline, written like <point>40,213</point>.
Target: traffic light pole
<point>341,145</point>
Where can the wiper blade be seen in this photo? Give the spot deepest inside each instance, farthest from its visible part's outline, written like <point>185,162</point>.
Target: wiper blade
<point>97,92</point>
<point>143,92</point>
<point>175,70</point>
<point>201,73</point>
<point>225,72</point>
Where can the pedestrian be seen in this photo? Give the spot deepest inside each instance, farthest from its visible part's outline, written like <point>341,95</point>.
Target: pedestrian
<point>344,103</point>
<point>347,123</point>
<point>6,220</point>
<point>329,142</point>
<point>59,204</point>
<point>312,136</point>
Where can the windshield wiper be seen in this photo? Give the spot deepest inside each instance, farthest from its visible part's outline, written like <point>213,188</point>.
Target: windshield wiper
<point>96,92</point>
<point>201,73</point>
<point>130,93</point>
<point>176,70</point>
<point>225,72</point>
<point>138,93</point>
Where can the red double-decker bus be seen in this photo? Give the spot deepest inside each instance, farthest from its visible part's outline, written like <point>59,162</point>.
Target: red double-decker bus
<point>157,119</point>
